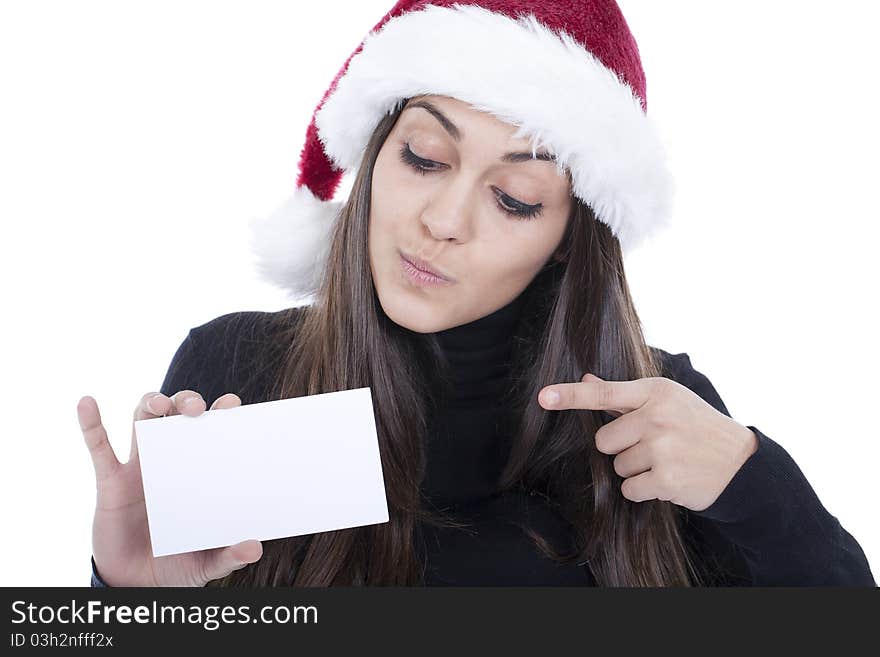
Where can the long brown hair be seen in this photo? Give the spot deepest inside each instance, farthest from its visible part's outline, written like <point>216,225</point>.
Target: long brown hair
<point>577,317</point>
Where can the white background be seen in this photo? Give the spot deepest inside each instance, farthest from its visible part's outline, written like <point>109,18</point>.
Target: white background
<point>138,138</point>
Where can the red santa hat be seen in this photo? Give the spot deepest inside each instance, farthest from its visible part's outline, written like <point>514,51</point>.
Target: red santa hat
<point>567,73</point>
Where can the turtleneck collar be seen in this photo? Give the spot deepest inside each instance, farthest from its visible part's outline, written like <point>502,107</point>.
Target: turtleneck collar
<point>482,332</point>
<point>478,353</point>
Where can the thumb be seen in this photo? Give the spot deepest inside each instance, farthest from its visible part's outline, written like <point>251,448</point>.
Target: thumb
<point>590,377</point>
<point>219,562</point>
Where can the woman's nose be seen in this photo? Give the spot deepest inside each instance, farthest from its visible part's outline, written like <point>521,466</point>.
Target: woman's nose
<point>450,214</point>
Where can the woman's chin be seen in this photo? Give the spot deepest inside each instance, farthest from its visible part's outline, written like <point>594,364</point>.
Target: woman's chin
<point>416,315</point>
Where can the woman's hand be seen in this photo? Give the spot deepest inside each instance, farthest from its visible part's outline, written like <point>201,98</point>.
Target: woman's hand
<point>670,443</point>
<point>120,535</point>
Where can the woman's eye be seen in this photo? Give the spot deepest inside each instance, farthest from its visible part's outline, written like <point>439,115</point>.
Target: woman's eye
<point>515,208</point>
<point>418,164</point>
<point>507,204</point>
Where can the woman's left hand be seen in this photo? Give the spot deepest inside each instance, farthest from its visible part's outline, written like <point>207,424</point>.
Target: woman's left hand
<point>670,443</point>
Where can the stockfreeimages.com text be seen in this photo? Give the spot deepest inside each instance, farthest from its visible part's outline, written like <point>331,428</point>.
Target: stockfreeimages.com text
<point>210,617</point>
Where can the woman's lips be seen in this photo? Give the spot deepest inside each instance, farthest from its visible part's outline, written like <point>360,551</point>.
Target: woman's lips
<point>419,275</point>
<point>424,266</point>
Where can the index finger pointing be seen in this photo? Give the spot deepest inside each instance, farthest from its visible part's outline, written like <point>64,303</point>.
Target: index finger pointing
<point>623,396</point>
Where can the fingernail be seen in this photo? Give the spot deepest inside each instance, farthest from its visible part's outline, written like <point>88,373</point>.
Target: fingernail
<point>150,404</point>
<point>551,397</point>
<point>190,401</point>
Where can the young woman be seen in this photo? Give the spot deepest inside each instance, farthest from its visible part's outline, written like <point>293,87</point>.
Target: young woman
<point>471,272</point>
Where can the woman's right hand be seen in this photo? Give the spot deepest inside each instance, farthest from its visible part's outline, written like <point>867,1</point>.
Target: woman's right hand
<point>121,544</point>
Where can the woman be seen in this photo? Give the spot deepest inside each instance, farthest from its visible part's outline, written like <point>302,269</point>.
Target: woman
<point>519,186</point>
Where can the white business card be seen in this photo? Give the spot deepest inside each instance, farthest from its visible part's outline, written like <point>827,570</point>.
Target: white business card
<point>261,471</point>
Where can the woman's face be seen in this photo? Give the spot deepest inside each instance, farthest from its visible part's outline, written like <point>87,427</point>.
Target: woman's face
<point>488,224</point>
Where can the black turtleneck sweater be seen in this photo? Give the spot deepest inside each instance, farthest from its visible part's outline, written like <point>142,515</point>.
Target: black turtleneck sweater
<point>466,450</point>
<point>767,527</point>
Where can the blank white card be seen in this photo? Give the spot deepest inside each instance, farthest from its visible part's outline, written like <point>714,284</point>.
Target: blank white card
<point>261,471</point>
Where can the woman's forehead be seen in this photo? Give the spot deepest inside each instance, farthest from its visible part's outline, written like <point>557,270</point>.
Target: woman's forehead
<point>457,109</point>
<point>458,119</point>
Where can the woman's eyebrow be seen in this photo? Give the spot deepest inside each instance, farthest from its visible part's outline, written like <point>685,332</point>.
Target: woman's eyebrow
<point>455,133</point>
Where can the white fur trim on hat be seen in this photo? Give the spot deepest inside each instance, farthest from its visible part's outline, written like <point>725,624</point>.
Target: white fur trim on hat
<point>293,242</point>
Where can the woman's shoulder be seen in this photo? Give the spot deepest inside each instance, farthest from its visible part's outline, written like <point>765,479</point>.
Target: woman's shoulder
<point>245,326</point>
<point>672,364</point>
<point>237,352</point>
<point>678,367</point>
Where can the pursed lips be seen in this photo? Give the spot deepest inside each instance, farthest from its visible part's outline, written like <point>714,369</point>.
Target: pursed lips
<point>421,265</point>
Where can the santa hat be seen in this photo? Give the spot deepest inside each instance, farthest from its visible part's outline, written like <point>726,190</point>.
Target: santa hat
<point>567,73</point>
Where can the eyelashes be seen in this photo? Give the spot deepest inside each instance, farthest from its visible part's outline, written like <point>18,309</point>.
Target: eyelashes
<point>507,204</point>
